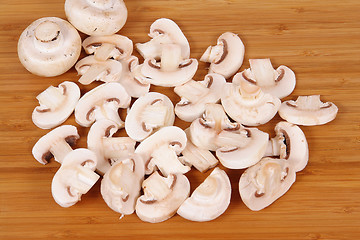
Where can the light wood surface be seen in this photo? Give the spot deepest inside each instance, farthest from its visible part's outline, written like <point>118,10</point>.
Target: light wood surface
<point>319,40</point>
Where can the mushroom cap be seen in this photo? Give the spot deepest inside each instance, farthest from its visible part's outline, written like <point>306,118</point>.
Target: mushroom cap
<point>263,183</point>
<point>98,18</point>
<point>227,56</point>
<point>195,95</point>
<point>56,105</point>
<point>49,47</point>
<point>42,150</point>
<point>308,111</point>
<point>75,177</point>
<point>147,114</point>
<point>209,200</point>
<point>102,102</point>
<point>162,197</point>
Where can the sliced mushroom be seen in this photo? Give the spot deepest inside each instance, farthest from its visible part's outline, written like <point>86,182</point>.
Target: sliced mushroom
<point>104,47</point>
<point>108,149</point>
<point>92,69</point>
<point>121,185</point>
<point>149,113</point>
<point>172,70</point>
<point>161,150</point>
<point>163,31</point>
<point>209,200</point>
<point>308,111</point>
<point>49,47</point>
<point>248,104</point>
<point>227,56</point>
<point>102,102</point>
<point>74,178</point>
<point>195,94</point>
<point>162,197</point>
<point>56,105</point>
<point>265,182</point>
<point>56,143</point>
<point>280,82</point>
<point>98,18</point>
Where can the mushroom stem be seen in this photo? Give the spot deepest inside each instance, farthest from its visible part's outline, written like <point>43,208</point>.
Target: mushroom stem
<point>121,175</point>
<point>47,35</point>
<point>232,139</point>
<point>103,52</point>
<point>87,178</point>
<point>273,148</point>
<point>192,90</point>
<point>92,73</point>
<point>212,53</point>
<point>155,115</point>
<point>263,71</point>
<point>248,90</point>
<point>109,111</point>
<point>170,57</point>
<point>118,147</point>
<point>52,97</point>
<point>156,187</point>
<point>60,149</point>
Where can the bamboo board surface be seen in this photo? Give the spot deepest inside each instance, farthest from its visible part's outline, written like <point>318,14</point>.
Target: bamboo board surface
<point>319,40</point>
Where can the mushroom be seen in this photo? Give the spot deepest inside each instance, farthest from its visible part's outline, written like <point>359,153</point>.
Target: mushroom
<point>102,102</point>
<point>162,197</point>
<point>172,70</point>
<point>57,143</point>
<point>121,185</point>
<point>227,56</point>
<point>265,182</point>
<point>104,47</point>
<point>92,69</point>
<point>98,18</point>
<point>56,105</point>
<point>149,113</point>
<point>108,149</point>
<point>280,82</point>
<point>195,94</point>
<point>49,47</point>
<point>161,150</point>
<point>163,31</point>
<point>209,200</point>
<point>308,111</point>
<point>74,178</point>
<point>248,104</point>
<point>289,144</point>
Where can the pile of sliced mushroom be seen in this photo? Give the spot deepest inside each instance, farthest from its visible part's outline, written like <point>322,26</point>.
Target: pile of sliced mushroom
<point>149,177</point>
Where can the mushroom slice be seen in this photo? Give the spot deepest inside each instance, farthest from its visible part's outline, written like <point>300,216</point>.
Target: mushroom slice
<point>49,47</point>
<point>209,200</point>
<point>108,149</point>
<point>280,82</point>
<point>308,111</point>
<point>121,185</point>
<point>195,94</point>
<point>263,183</point>
<point>161,150</point>
<point>172,70</point>
<point>92,69</point>
<point>74,178</point>
<point>149,113</point>
<point>227,56</point>
<point>248,104</point>
<point>56,143</point>
<point>56,105</point>
<point>162,197</point>
<point>163,31</point>
<point>102,102</point>
<point>104,47</point>
<point>96,18</point>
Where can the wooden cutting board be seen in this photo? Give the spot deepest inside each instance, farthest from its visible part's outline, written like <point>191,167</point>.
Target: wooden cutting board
<point>319,40</point>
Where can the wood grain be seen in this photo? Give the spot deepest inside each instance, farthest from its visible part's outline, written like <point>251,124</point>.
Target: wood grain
<point>319,40</point>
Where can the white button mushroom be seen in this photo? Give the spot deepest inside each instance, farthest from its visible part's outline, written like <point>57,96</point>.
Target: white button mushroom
<point>280,82</point>
<point>162,197</point>
<point>74,178</point>
<point>100,17</point>
<point>195,94</point>
<point>102,102</point>
<point>263,183</point>
<point>56,105</point>
<point>49,47</point>
<point>149,113</point>
<point>56,143</point>
<point>209,200</point>
<point>227,56</point>
<point>308,111</point>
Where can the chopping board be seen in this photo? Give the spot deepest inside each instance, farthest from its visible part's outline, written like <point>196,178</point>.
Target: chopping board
<point>318,40</point>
